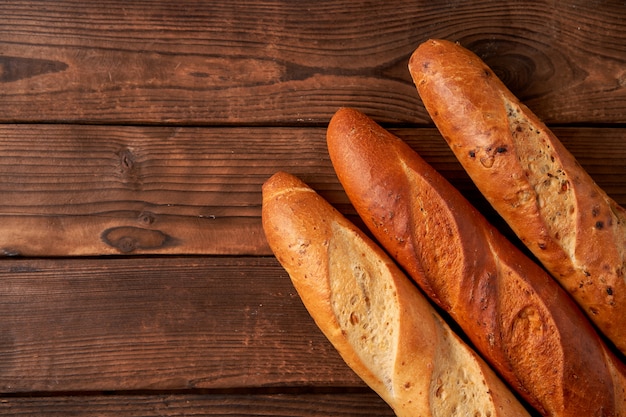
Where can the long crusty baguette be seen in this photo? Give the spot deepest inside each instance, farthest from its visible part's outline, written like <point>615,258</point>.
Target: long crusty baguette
<point>377,319</point>
<point>516,315</point>
<point>576,231</point>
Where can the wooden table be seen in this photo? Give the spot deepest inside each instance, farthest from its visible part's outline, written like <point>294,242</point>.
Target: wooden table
<point>134,139</point>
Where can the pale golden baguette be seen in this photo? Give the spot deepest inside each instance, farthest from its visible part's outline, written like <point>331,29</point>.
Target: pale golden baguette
<point>376,318</point>
<point>516,315</point>
<point>571,225</point>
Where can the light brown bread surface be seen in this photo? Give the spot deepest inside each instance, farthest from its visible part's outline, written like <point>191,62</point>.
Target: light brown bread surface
<point>376,318</point>
<point>570,224</point>
<point>516,315</point>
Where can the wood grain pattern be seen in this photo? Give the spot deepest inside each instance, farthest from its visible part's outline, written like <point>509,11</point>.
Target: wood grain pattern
<point>279,61</point>
<point>158,324</point>
<point>85,190</point>
<point>144,129</point>
<point>94,190</point>
<point>285,405</point>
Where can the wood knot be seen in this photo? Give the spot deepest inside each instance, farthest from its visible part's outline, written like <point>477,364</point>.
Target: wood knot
<point>129,168</point>
<point>147,218</point>
<point>14,68</point>
<point>127,160</point>
<point>518,65</point>
<point>127,239</point>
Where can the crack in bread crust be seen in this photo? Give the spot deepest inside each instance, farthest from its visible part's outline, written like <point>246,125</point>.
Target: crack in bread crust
<point>458,384</point>
<point>554,196</point>
<point>365,304</point>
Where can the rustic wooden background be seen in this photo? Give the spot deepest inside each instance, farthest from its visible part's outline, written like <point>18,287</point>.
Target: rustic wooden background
<point>134,139</point>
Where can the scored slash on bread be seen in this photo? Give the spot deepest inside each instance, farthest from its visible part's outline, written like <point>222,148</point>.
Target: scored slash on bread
<point>375,317</point>
<point>571,225</point>
<point>516,315</point>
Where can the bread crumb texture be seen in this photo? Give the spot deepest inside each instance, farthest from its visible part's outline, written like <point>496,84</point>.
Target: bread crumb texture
<point>553,193</point>
<point>364,301</point>
<point>577,219</point>
<point>458,386</point>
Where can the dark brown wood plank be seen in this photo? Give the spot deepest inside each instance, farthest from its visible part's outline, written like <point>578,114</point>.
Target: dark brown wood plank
<point>85,190</point>
<point>120,169</point>
<point>286,405</point>
<point>158,324</point>
<point>280,61</point>
<point>95,190</point>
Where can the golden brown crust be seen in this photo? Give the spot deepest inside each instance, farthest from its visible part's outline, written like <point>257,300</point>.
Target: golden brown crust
<point>523,170</point>
<point>372,313</point>
<point>520,319</point>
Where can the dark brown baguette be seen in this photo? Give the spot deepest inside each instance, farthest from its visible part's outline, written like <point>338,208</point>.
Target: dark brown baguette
<point>516,315</point>
<point>576,231</point>
<point>377,319</point>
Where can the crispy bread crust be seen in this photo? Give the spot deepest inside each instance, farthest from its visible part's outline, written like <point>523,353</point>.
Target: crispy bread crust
<point>376,318</point>
<point>516,315</point>
<point>576,231</point>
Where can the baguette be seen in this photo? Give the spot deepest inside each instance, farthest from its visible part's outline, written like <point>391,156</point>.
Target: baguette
<point>376,318</point>
<point>520,320</point>
<point>573,228</point>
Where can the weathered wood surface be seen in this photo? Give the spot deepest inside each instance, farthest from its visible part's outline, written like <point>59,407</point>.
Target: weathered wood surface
<point>302,404</point>
<point>93,190</point>
<point>288,62</point>
<point>161,324</point>
<point>143,130</point>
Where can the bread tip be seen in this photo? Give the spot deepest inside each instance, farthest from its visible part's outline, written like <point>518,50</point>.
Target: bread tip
<point>278,180</point>
<point>343,113</point>
<point>429,47</point>
<point>342,120</point>
<point>416,60</point>
<point>273,178</point>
